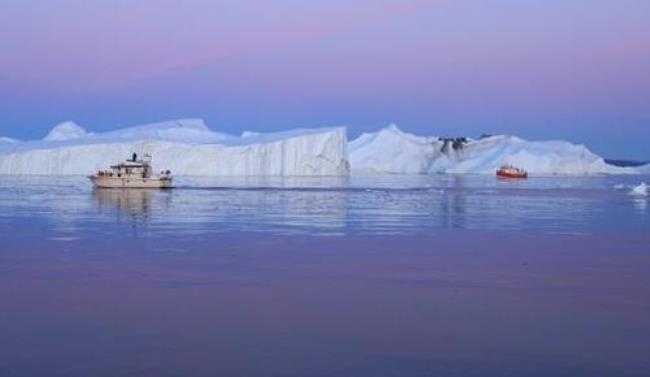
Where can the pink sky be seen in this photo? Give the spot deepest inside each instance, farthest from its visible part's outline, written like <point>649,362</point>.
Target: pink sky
<point>575,68</point>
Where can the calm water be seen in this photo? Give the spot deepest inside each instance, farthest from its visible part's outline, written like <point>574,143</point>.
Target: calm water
<point>363,276</point>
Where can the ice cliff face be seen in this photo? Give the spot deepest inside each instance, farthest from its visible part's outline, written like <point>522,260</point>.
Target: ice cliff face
<point>391,150</point>
<point>644,169</point>
<point>187,147</point>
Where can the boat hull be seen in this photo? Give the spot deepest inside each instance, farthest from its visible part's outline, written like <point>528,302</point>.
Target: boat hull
<point>506,175</point>
<point>130,182</point>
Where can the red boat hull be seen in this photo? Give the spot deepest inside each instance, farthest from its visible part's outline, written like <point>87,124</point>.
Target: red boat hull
<point>508,175</point>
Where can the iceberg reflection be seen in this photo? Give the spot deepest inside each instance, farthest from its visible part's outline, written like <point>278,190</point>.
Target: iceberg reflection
<point>377,205</point>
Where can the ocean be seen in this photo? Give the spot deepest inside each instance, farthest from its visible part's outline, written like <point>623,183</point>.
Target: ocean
<point>377,275</point>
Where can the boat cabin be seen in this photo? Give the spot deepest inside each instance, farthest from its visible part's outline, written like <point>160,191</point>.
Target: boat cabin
<point>132,173</point>
<point>139,169</point>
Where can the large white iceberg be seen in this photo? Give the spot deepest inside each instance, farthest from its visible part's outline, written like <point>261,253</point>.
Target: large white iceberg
<point>189,147</point>
<point>390,150</point>
<point>185,146</point>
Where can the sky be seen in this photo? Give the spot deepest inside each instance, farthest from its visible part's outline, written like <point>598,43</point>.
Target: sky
<point>574,69</point>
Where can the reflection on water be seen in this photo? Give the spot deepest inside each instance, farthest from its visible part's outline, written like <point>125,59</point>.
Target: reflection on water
<point>278,182</point>
<point>381,204</point>
<point>134,204</point>
<point>258,209</point>
<point>641,204</point>
<point>196,281</point>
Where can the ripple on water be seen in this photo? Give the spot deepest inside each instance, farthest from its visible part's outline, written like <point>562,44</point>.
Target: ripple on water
<point>357,205</point>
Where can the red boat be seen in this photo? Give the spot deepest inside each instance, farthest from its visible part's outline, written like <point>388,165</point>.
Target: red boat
<point>511,172</point>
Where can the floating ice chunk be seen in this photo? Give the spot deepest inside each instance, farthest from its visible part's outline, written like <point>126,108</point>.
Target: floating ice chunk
<point>640,190</point>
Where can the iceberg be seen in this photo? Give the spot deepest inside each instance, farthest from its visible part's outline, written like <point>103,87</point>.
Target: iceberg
<point>641,190</point>
<point>185,146</point>
<point>246,134</point>
<point>7,140</point>
<point>644,169</point>
<point>67,130</point>
<point>190,147</point>
<point>391,150</point>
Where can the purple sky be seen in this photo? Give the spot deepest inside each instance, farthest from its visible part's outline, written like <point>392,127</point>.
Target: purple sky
<point>573,69</point>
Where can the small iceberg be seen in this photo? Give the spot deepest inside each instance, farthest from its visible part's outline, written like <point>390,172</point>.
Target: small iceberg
<point>640,190</point>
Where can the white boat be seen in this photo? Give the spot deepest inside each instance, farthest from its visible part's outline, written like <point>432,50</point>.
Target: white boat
<point>132,173</point>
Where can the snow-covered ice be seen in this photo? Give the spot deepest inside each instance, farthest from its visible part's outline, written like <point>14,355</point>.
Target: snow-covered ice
<point>66,131</point>
<point>246,134</point>
<point>390,150</point>
<point>644,169</point>
<point>189,147</point>
<point>640,190</point>
<point>185,146</point>
<point>7,140</point>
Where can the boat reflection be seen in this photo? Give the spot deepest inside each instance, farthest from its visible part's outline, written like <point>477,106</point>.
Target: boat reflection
<point>364,205</point>
<point>131,205</point>
<point>242,209</point>
<point>201,210</point>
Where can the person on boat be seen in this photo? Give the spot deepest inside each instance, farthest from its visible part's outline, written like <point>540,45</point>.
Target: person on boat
<point>135,157</point>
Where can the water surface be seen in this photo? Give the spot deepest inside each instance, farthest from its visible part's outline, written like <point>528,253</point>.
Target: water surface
<point>362,276</point>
